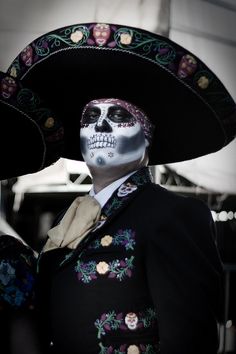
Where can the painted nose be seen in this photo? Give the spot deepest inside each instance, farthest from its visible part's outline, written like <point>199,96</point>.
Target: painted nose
<point>104,127</point>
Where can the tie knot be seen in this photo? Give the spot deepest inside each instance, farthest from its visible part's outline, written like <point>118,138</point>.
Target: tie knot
<point>81,217</point>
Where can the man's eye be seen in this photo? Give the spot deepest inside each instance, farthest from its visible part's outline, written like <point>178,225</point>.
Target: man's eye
<point>90,116</point>
<point>119,115</point>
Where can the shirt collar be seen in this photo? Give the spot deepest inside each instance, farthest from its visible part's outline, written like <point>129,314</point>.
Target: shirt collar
<point>103,196</point>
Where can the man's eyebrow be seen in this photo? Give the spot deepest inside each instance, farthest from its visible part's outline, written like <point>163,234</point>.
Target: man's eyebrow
<point>116,108</point>
<point>92,108</point>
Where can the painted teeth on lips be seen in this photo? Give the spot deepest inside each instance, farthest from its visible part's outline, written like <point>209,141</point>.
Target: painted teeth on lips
<point>101,141</point>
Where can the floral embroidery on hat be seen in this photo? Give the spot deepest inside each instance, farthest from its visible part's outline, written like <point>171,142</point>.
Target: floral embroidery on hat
<point>49,123</point>
<point>166,54</point>
<point>76,36</point>
<point>145,45</point>
<point>125,38</point>
<point>112,321</point>
<point>203,82</point>
<point>13,72</point>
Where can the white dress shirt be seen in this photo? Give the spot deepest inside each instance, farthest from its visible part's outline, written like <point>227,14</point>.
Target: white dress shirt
<point>103,196</point>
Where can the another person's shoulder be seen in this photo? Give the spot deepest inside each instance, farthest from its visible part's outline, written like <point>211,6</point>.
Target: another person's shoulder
<point>17,273</point>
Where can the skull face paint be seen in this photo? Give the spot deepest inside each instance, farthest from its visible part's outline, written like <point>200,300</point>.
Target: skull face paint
<point>110,135</point>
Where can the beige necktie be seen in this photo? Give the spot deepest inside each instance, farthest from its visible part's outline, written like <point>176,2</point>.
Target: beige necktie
<point>78,221</point>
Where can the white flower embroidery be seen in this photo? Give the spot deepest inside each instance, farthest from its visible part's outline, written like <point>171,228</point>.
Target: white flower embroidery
<point>133,349</point>
<point>203,82</point>
<point>125,38</point>
<point>76,36</point>
<point>106,241</point>
<point>102,267</point>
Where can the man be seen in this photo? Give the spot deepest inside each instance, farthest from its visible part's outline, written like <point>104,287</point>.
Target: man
<point>130,268</point>
<point>146,277</point>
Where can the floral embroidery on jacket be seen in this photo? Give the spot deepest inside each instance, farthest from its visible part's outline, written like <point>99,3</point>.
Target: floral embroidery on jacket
<point>125,238</point>
<point>116,269</point>
<point>112,321</point>
<point>129,349</point>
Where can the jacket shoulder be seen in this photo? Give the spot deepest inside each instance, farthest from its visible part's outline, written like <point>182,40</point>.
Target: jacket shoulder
<point>176,202</point>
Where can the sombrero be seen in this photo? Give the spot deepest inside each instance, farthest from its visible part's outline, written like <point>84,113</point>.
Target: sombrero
<point>31,135</point>
<point>192,110</point>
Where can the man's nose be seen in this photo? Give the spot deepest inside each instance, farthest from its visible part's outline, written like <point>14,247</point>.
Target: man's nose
<point>103,127</point>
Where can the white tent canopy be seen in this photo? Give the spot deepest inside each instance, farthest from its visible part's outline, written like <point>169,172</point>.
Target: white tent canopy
<point>214,172</point>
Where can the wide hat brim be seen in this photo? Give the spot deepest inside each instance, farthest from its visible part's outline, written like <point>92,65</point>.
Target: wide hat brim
<point>30,137</point>
<point>193,112</point>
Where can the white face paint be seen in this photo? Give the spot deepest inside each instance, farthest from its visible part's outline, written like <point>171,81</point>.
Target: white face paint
<point>111,136</point>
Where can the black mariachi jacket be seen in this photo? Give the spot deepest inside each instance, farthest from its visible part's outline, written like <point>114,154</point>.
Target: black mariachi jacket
<point>147,280</point>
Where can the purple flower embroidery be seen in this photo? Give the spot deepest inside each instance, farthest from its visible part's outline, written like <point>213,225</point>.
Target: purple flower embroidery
<point>108,321</point>
<point>125,238</point>
<point>86,271</point>
<point>119,269</point>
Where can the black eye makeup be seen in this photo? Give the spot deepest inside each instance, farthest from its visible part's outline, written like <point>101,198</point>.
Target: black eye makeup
<point>91,115</point>
<point>119,115</point>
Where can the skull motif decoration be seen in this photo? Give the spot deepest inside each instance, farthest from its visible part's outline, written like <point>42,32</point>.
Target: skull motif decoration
<point>110,135</point>
<point>27,55</point>
<point>8,87</point>
<point>187,66</point>
<point>101,33</point>
<point>131,320</point>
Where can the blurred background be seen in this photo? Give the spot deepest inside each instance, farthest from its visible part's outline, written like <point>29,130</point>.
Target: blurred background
<point>207,28</point>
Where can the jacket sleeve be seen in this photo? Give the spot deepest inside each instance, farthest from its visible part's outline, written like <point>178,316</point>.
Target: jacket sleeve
<point>184,274</point>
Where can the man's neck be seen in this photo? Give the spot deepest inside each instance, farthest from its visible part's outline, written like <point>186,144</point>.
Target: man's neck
<point>103,177</point>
